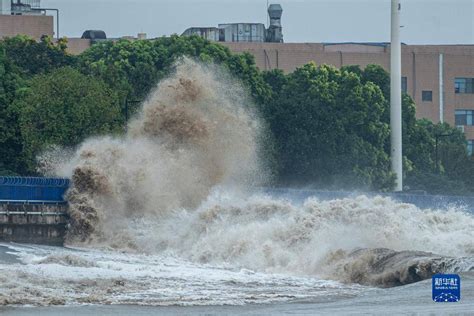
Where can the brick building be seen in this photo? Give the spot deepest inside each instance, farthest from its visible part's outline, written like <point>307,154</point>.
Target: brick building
<point>24,17</point>
<point>34,26</point>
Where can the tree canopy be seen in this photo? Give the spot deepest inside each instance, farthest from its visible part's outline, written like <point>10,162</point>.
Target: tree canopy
<point>63,108</point>
<point>10,140</point>
<point>326,127</point>
<point>134,67</point>
<point>452,173</point>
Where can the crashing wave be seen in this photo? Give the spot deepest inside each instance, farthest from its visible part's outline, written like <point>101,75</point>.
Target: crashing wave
<point>179,182</point>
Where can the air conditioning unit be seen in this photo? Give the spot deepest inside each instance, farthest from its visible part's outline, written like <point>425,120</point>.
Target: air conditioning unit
<point>460,127</point>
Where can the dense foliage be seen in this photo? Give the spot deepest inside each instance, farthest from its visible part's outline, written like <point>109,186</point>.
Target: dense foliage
<point>327,127</point>
<point>10,140</point>
<point>449,173</point>
<point>134,67</point>
<point>32,57</point>
<point>63,108</point>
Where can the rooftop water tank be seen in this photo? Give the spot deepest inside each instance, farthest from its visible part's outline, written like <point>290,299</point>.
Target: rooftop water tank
<point>94,35</point>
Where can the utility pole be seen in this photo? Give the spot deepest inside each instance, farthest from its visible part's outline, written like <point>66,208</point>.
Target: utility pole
<point>396,96</point>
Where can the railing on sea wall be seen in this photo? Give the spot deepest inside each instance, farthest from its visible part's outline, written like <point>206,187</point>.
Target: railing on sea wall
<point>33,190</point>
<point>33,210</point>
<point>38,190</point>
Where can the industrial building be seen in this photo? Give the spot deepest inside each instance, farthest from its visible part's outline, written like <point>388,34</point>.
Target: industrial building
<point>244,32</point>
<point>26,17</point>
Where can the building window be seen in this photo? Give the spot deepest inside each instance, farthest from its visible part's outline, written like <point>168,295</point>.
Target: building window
<point>427,96</point>
<point>464,85</point>
<point>463,117</point>
<point>404,84</point>
<point>470,147</point>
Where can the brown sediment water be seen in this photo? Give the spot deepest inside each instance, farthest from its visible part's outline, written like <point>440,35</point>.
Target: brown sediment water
<point>195,131</point>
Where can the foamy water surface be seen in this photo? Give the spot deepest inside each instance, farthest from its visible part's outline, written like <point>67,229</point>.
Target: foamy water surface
<point>66,276</point>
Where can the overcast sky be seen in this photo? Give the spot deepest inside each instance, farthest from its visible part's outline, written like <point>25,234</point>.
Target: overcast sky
<point>424,21</point>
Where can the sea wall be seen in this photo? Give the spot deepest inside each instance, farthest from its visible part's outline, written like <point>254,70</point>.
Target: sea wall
<point>33,223</point>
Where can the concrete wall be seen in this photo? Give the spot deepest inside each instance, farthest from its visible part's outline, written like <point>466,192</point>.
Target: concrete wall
<point>31,25</point>
<point>33,223</point>
<point>76,46</point>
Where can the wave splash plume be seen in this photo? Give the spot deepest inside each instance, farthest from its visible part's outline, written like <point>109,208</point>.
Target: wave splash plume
<point>194,132</point>
<point>179,183</point>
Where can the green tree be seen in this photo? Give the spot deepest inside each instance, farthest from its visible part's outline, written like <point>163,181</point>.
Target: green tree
<point>451,170</point>
<point>63,108</point>
<point>134,67</point>
<point>328,128</point>
<point>130,69</point>
<point>20,58</point>
<point>10,138</point>
<point>454,172</point>
<point>32,57</point>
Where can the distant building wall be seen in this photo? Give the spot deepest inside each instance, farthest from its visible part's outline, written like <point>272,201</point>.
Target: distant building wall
<point>31,25</point>
<point>76,46</point>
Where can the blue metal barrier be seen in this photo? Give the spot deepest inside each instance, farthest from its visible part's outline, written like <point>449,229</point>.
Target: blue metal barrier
<point>33,189</point>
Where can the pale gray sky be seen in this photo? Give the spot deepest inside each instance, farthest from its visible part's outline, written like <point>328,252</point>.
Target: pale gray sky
<point>425,21</point>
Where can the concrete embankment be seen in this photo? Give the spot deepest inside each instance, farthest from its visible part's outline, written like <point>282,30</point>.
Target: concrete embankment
<point>33,210</point>
<point>33,223</point>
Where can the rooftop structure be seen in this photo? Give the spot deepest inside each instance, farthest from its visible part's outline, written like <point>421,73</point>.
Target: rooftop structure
<point>244,32</point>
<point>20,7</point>
<point>26,17</point>
<point>209,33</point>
